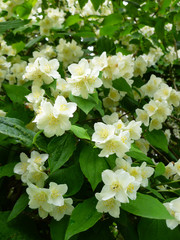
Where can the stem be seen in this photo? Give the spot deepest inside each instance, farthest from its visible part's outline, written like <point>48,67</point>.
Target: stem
<point>160,153</point>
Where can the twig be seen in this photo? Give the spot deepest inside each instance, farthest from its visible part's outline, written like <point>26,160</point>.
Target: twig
<point>160,153</point>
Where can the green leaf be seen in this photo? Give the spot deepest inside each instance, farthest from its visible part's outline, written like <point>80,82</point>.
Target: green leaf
<point>82,3</point>
<point>155,192</point>
<point>80,132</point>
<point>92,165</point>
<point>72,176</point>
<point>24,10</point>
<point>164,4</point>
<point>86,105</point>
<point>22,228</point>
<point>122,85</point>
<point>34,41</point>
<point>19,206</point>
<point>4,26</point>
<point>19,46</point>
<point>137,154</point>
<point>149,229</point>
<point>105,45</point>
<point>147,206</point>
<point>60,149</point>
<point>159,28</point>
<point>15,129</point>
<point>7,170</point>
<point>112,19</point>
<point>16,93</point>
<point>158,139</point>
<point>83,217</point>
<point>97,3</point>
<point>108,30</point>
<point>159,170</point>
<point>71,20</point>
<point>58,228</point>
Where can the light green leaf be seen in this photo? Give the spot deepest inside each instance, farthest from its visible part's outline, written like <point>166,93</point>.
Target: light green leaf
<point>60,149</point>
<point>137,154</point>
<point>23,10</point>
<point>80,132</point>
<point>147,206</point>
<point>19,46</point>
<point>83,217</point>
<point>112,19</point>
<point>19,206</point>
<point>91,165</point>
<point>7,170</point>
<point>71,20</point>
<point>15,129</point>
<point>159,170</point>
<point>16,93</point>
<point>72,176</point>
<point>149,229</point>
<point>158,139</point>
<point>34,41</point>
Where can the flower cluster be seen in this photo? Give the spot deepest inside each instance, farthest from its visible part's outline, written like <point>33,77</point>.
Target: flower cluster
<point>115,137</point>
<point>54,120</point>
<point>121,185</point>
<point>172,170</point>
<point>47,201</point>
<point>160,106</point>
<point>50,201</point>
<point>42,70</point>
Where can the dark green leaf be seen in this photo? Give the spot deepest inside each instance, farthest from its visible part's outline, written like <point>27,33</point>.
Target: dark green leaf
<point>7,170</point>
<point>82,3</point>
<point>139,155</point>
<point>4,26</point>
<point>147,206</point>
<point>83,217</point>
<point>122,85</point>
<point>19,206</point>
<point>15,129</point>
<point>60,149</point>
<point>97,3</point>
<point>72,176</point>
<point>91,165</point>
<point>86,105</point>
<point>58,228</point>
<point>149,229</point>
<point>158,139</point>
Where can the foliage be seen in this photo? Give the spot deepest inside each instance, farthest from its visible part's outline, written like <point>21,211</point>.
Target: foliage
<point>89,119</point>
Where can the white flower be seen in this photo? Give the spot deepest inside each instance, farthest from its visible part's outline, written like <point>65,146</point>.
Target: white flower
<point>38,198</point>
<point>38,158</point>
<point>174,98</point>
<point>177,167</point>
<point>142,116</point>
<point>36,96</point>
<point>134,129</point>
<point>123,164</point>
<point>58,212</point>
<point>54,120</point>
<point>140,66</point>
<point>146,172</point>
<point>151,86</point>
<point>112,206</point>
<point>35,174</point>
<point>99,63</point>
<point>164,92</point>
<point>49,67</point>
<point>56,194</point>
<point>173,208</point>
<point>21,168</point>
<point>103,132</point>
<point>170,170</point>
<point>116,184</point>
<point>150,107</point>
<point>61,107</point>
<point>110,119</point>
<point>155,124</point>
<point>143,145</point>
